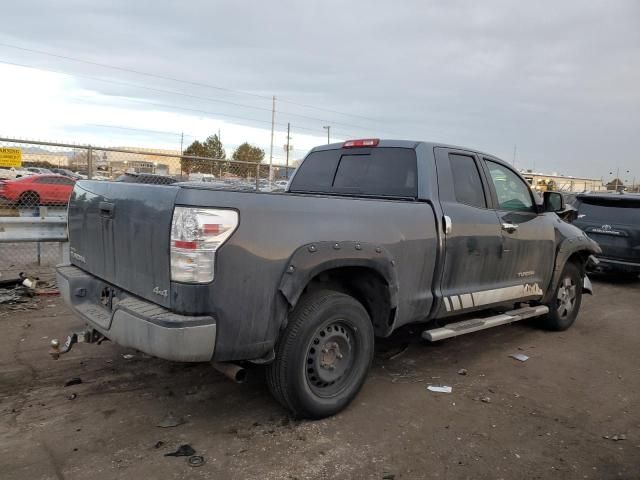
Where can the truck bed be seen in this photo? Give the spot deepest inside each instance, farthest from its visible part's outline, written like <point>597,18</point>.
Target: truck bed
<point>120,233</point>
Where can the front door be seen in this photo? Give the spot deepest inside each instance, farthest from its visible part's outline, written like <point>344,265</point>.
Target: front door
<point>473,238</point>
<point>528,236</point>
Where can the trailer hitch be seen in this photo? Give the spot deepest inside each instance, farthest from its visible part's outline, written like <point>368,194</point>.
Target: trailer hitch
<point>85,336</point>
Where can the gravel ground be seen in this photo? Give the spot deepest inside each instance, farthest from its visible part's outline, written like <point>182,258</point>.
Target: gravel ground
<point>544,418</point>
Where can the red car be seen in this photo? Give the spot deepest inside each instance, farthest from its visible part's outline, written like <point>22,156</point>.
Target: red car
<point>37,190</point>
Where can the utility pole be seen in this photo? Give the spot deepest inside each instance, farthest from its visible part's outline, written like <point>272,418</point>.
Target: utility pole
<point>328,129</point>
<point>181,151</point>
<point>273,122</point>
<point>89,162</point>
<point>515,150</point>
<point>288,138</point>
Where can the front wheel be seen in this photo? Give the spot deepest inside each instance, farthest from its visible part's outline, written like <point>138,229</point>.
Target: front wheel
<point>565,303</point>
<point>323,356</point>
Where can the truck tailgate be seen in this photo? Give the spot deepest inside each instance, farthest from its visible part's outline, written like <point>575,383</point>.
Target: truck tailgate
<point>120,232</point>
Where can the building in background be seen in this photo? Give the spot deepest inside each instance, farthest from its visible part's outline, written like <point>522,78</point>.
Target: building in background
<point>148,161</point>
<point>542,182</point>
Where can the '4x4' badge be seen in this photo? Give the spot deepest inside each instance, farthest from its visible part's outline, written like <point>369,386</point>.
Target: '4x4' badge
<point>162,293</point>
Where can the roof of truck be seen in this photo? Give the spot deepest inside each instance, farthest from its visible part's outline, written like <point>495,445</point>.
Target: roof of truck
<point>390,143</point>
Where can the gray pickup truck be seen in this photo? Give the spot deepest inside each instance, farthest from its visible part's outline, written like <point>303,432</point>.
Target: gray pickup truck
<point>369,236</point>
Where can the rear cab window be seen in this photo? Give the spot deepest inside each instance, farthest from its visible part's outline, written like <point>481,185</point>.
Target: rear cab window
<point>378,171</point>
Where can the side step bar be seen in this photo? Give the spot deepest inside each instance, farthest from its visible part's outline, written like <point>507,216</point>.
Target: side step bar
<point>475,324</point>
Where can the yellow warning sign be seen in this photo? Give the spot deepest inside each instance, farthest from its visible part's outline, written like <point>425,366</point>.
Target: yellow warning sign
<point>10,157</point>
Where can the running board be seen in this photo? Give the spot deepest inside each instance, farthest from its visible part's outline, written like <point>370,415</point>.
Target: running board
<point>475,324</point>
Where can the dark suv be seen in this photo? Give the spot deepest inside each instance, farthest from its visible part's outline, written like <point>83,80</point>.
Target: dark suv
<point>612,220</point>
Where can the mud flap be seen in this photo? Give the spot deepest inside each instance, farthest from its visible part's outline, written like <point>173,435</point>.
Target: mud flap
<point>586,286</point>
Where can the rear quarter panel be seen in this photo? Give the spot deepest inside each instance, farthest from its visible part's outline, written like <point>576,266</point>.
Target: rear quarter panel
<point>244,295</point>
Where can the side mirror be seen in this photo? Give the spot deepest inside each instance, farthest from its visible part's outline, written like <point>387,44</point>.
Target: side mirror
<point>553,202</point>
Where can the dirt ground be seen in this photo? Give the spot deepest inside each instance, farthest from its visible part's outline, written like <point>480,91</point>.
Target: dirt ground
<point>544,418</point>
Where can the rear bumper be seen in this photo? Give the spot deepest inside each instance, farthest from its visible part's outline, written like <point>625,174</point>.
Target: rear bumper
<point>610,265</point>
<point>132,322</point>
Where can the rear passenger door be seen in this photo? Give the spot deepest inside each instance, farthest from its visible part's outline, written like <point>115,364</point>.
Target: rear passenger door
<point>528,237</point>
<point>473,237</point>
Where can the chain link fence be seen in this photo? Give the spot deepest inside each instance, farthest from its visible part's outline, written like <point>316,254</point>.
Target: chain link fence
<point>37,178</point>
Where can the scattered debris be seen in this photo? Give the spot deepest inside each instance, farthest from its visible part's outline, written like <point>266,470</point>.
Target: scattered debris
<point>388,476</point>
<point>73,396</point>
<point>485,399</point>
<point>29,281</point>
<point>73,381</point>
<point>182,451</point>
<point>15,295</point>
<point>462,371</point>
<point>10,282</point>
<point>616,438</point>
<point>195,461</point>
<point>519,356</point>
<point>128,356</point>
<point>158,444</point>
<point>22,290</point>
<point>170,420</point>
<point>442,389</point>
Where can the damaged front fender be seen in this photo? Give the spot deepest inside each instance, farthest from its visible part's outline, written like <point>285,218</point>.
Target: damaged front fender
<point>571,242</point>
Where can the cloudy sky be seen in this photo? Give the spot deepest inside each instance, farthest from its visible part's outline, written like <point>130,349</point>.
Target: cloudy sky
<point>561,80</point>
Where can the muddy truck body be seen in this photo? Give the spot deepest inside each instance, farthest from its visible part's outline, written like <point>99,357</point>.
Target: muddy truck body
<point>369,236</point>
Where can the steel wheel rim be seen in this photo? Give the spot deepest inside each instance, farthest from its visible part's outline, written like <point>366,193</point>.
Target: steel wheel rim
<point>566,298</point>
<point>330,358</point>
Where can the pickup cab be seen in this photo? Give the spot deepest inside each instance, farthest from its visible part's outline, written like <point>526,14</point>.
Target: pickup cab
<point>370,235</point>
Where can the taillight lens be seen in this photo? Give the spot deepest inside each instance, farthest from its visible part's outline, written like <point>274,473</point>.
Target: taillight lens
<point>196,235</point>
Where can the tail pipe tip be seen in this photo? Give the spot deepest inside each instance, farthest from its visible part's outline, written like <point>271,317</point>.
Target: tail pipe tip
<point>232,371</point>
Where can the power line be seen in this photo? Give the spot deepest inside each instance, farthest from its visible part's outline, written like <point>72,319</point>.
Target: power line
<point>173,92</point>
<point>207,112</point>
<point>173,79</point>
<point>162,132</point>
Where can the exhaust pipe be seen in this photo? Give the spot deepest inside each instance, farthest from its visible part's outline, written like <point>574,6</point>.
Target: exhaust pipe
<point>230,370</point>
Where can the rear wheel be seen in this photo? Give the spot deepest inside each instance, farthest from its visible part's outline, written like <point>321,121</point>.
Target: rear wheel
<point>323,356</point>
<point>29,199</point>
<point>565,303</point>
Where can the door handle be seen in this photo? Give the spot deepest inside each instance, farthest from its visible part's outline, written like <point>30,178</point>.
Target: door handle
<point>448,224</point>
<point>509,227</point>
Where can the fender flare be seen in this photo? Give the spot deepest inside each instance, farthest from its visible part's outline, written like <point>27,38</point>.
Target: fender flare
<point>314,258</point>
<point>567,248</point>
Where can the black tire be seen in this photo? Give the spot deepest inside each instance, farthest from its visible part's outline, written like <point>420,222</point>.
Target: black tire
<point>565,303</point>
<point>323,356</point>
<point>29,199</point>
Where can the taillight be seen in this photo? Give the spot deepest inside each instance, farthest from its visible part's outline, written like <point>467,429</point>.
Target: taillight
<point>196,235</point>
<point>365,142</point>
